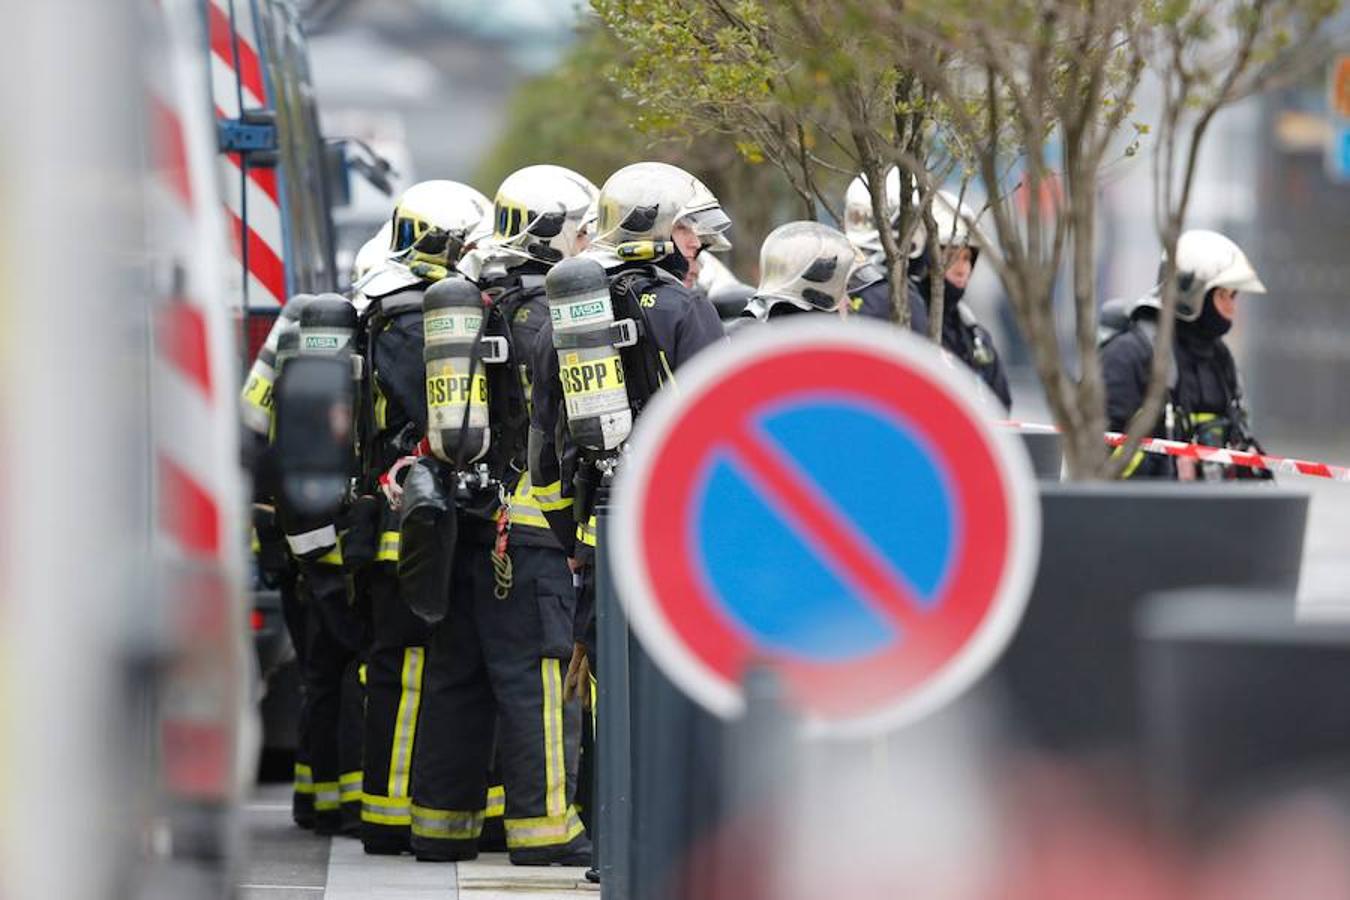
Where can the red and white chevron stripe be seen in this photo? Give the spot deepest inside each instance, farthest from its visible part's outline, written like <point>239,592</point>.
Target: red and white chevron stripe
<point>237,69</point>
<point>197,480</point>
<point>1282,464</point>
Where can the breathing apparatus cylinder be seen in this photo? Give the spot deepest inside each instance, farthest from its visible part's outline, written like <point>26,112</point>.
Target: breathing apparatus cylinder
<point>288,348</point>
<point>328,325</point>
<point>599,415</point>
<point>457,384</point>
<point>260,385</point>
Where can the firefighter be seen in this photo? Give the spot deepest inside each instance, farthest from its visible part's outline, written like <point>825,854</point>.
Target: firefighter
<point>498,661</point>
<point>804,268</point>
<point>302,558</point>
<point>1204,401</point>
<point>653,220</point>
<point>959,242</point>
<point>275,566</point>
<point>334,626</point>
<point>431,226</point>
<point>869,287</point>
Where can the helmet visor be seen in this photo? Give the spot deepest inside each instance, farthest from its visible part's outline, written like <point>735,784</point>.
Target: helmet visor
<point>406,232</point>
<point>438,243</point>
<point>707,223</point>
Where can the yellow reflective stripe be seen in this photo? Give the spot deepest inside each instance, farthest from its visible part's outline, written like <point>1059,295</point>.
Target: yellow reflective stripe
<point>381,408</point>
<point>496,802</point>
<point>386,804</point>
<point>390,542</point>
<point>304,779</point>
<point>1202,418</point>
<point>385,810</point>
<point>549,497</point>
<point>527,518</point>
<point>543,831</point>
<point>595,698</point>
<point>1135,461</point>
<point>525,506</point>
<point>586,532</point>
<point>326,795</point>
<point>361,674</point>
<point>524,491</point>
<point>332,557</point>
<point>447,824</point>
<point>254,545</point>
<point>405,726</point>
<point>555,772</point>
<point>349,787</point>
<point>665,364</point>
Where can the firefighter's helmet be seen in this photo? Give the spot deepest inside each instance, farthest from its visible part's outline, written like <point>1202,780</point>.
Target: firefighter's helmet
<point>639,207</point>
<point>433,224</point>
<point>807,265</point>
<point>860,224</point>
<point>541,212</point>
<point>374,252</point>
<point>1205,260</point>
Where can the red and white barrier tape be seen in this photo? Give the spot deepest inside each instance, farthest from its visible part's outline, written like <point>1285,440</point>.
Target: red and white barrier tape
<point>1282,464</point>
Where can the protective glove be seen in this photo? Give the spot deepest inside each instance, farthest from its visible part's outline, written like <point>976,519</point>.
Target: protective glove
<point>578,679</point>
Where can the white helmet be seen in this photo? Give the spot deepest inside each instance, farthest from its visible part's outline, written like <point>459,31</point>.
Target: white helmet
<point>373,252</point>
<point>540,212</point>
<point>370,260</point>
<point>639,206</point>
<point>807,265</point>
<point>433,223</point>
<point>859,224</point>
<point>956,224</point>
<point>1205,260</point>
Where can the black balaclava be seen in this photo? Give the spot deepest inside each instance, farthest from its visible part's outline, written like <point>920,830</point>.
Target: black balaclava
<point>676,263</point>
<point>951,295</point>
<point>1211,325</point>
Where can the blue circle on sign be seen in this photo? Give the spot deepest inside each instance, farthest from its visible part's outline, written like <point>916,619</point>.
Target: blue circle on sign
<point>828,618</point>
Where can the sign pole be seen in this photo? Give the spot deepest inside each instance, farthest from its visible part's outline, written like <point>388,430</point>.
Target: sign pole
<point>614,775</point>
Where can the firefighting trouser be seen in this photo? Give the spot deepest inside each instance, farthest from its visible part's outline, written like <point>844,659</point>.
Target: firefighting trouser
<point>495,668</point>
<point>351,727</point>
<point>293,612</point>
<point>395,665</point>
<point>332,648</point>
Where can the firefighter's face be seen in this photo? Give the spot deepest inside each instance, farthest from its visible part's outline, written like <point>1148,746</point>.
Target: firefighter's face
<point>960,263</point>
<point>1225,301</point>
<point>688,243</point>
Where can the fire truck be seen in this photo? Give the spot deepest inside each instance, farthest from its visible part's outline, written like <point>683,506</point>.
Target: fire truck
<point>168,189</point>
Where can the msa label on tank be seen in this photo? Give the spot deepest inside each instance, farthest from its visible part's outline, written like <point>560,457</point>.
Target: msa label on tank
<point>591,310</point>
<point>323,341</point>
<point>593,386</point>
<point>451,323</point>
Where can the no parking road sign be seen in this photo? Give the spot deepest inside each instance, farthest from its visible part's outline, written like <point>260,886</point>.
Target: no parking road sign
<point>833,501</point>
